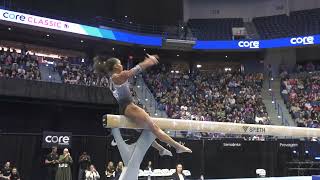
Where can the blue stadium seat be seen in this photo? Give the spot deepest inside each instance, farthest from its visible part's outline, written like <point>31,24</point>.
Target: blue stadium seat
<point>299,23</point>
<point>214,29</point>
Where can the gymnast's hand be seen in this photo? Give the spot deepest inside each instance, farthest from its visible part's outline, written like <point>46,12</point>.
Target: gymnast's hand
<point>151,60</point>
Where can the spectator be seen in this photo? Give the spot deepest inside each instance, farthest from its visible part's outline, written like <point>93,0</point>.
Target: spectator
<point>178,175</point>
<point>110,172</point>
<point>118,170</point>
<point>92,173</point>
<point>14,174</point>
<point>149,167</point>
<point>64,170</point>
<point>6,171</point>
<point>84,163</point>
<point>51,163</point>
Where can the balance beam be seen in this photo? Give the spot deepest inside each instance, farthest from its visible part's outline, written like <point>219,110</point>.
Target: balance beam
<point>119,121</point>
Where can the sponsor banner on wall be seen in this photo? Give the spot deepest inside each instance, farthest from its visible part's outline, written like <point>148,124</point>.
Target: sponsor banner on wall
<point>48,23</point>
<point>260,44</point>
<point>134,38</point>
<point>59,139</point>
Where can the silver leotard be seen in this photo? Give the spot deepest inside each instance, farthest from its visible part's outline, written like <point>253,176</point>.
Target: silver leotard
<point>122,93</point>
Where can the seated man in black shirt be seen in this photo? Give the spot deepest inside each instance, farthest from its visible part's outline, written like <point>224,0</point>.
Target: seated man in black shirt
<point>14,174</point>
<point>6,171</point>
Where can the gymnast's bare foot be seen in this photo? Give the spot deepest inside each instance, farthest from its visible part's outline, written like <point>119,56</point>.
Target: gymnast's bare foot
<point>183,149</point>
<point>165,152</point>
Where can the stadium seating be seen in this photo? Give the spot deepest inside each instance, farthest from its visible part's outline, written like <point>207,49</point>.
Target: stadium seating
<point>300,92</point>
<point>209,96</point>
<point>214,29</point>
<point>299,23</point>
<point>18,65</point>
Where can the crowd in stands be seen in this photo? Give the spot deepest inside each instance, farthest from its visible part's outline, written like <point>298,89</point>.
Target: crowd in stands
<point>77,71</point>
<point>18,65</point>
<point>301,94</point>
<point>209,96</point>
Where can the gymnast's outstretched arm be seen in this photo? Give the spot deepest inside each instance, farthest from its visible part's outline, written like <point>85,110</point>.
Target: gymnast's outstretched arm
<point>125,75</point>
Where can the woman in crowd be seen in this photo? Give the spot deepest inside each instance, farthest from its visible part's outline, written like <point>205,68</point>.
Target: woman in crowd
<point>64,170</point>
<point>6,171</point>
<point>119,170</point>
<point>178,175</point>
<point>14,174</point>
<point>109,173</point>
<point>92,173</point>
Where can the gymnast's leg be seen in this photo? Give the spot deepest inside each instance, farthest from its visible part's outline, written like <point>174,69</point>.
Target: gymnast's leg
<point>137,114</point>
<point>162,151</point>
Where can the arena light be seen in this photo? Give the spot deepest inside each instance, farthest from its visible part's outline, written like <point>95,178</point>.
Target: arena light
<point>48,35</point>
<point>177,72</point>
<point>82,60</point>
<point>178,55</point>
<point>199,65</point>
<point>307,152</point>
<point>81,41</point>
<point>9,28</point>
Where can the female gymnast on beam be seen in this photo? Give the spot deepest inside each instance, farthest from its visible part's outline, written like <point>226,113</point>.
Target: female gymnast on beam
<point>121,91</point>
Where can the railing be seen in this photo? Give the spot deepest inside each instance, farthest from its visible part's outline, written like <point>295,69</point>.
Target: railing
<point>277,106</point>
<point>147,98</point>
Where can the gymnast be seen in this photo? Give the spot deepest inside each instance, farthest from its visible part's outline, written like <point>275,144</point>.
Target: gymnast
<point>120,87</point>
